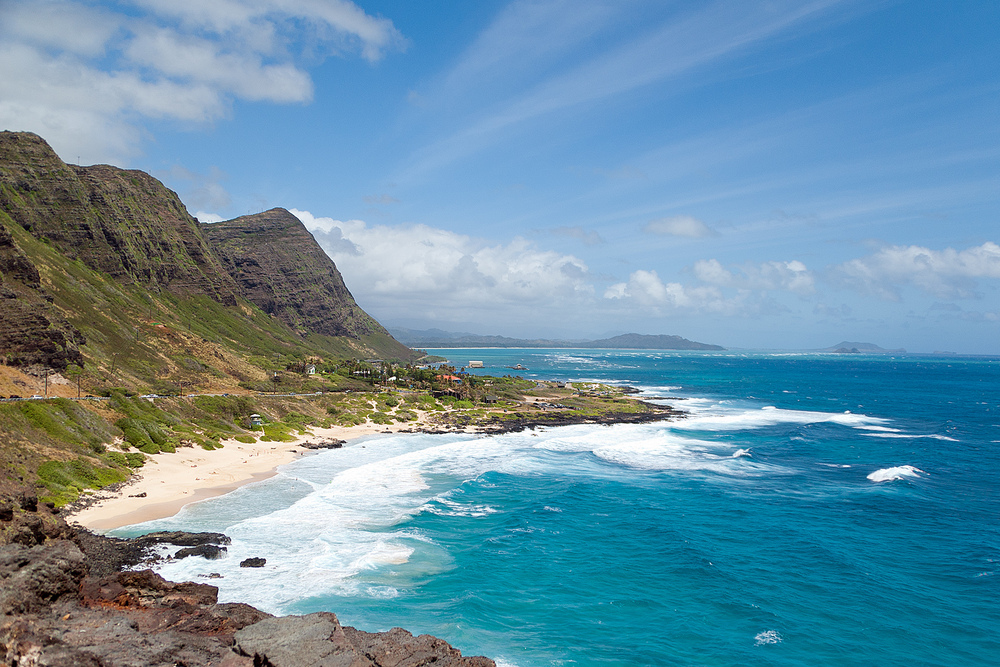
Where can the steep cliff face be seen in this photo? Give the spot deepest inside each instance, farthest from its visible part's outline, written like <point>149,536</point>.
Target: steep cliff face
<point>123,223</point>
<point>279,267</point>
<point>113,254</point>
<point>32,331</point>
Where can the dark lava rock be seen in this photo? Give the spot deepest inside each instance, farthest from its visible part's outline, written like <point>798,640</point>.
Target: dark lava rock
<point>34,577</point>
<point>180,538</point>
<point>107,555</point>
<point>209,551</point>
<point>331,443</point>
<point>319,639</point>
<point>253,562</point>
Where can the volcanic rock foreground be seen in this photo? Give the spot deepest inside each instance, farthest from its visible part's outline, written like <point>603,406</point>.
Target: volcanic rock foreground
<point>59,609</point>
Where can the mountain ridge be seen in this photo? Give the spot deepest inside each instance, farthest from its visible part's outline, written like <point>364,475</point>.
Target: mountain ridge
<point>104,267</point>
<point>436,338</point>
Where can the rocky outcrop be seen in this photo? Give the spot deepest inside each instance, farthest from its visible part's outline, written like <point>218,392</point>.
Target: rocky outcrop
<point>319,639</point>
<point>60,607</point>
<point>124,223</point>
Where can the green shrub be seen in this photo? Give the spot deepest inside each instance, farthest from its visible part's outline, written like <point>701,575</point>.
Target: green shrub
<point>142,432</point>
<point>135,460</point>
<point>380,418</point>
<point>65,479</point>
<point>248,439</point>
<point>116,458</point>
<point>277,432</point>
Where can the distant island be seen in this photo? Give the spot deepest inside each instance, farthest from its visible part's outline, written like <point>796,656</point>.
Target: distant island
<point>437,338</point>
<point>848,347</point>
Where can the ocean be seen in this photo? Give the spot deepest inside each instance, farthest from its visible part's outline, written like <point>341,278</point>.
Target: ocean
<point>809,510</point>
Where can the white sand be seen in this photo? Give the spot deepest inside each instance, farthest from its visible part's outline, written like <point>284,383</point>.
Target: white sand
<point>171,481</point>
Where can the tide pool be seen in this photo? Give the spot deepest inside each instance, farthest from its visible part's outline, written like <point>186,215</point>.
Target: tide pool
<point>810,509</point>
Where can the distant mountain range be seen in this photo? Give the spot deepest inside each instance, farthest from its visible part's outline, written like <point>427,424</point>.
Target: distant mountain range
<point>437,338</point>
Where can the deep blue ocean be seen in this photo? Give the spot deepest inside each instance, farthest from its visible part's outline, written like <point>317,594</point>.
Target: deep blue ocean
<point>809,510</point>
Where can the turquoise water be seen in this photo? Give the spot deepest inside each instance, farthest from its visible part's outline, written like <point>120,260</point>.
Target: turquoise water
<point>811,509</point>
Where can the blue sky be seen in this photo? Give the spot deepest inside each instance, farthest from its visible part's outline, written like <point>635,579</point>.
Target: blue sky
<point>780,174</point>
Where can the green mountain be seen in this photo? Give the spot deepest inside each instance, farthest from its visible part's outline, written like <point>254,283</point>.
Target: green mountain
<point>104,266</point>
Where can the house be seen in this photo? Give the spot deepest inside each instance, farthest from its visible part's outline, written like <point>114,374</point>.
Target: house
<point>311,369</point>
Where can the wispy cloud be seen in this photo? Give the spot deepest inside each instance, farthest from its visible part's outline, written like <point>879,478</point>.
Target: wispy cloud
<point>585,236</point>
<point>679,45</point>
<point>200,191</point>
<point>87,78</point>
<point>680,225</point>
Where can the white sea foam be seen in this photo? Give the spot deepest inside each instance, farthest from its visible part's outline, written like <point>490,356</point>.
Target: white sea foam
<point>897,472</point>
<point>720,418</point>
<point>648,447</point>
<point>355,523</point>
<point>741,453</point>
<point>909,436</point>
<point>767,637</point>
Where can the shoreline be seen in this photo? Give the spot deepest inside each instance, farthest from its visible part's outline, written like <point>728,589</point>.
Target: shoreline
<point>170,481</point>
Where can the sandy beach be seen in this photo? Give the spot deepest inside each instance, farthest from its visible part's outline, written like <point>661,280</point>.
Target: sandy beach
<point>171,481</point>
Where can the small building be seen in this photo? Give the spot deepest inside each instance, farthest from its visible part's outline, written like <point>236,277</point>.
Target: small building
<point>311,369</point>
<point>256,421</point>
<point>475,364</point>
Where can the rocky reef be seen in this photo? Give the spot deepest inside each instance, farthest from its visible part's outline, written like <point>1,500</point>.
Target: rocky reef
<point>66,602</point>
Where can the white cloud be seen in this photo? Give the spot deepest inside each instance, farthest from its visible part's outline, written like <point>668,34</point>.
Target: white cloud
<point>946,274</point>
<point>85,78</point>
<point>424,266</point>
<point>208,217</point>
<point>791,276</point>
<point>680,225</point>
<point>646,288</point>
